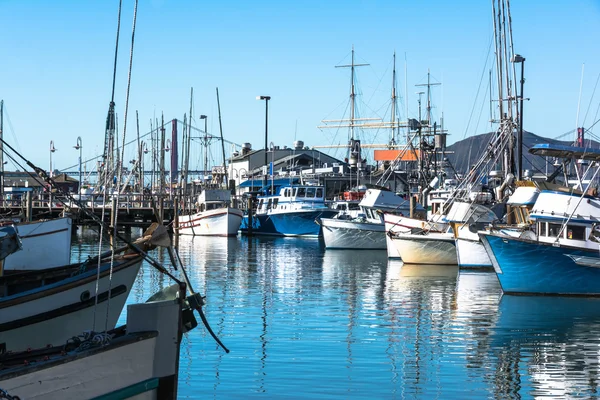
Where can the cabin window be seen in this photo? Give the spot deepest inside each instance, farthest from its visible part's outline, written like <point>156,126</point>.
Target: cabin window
<point>341,207</point>
<point>275,203</point>
<point>353,206</point>
<point>553,229</point>
<point>319,193</point>
<point>310,192</point>
<point>301,192</point>
<point>575,232</point>
<point>269,205</point>
<point>542,229</point>
<point>260,204</point>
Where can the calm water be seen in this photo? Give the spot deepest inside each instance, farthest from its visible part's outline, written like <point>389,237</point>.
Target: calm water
<point>304,322</point>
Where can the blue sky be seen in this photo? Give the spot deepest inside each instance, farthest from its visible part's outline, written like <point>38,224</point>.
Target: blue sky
<point>57,59</point>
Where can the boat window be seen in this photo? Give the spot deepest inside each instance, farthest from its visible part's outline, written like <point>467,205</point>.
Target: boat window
<point>341,207</point>
<point>553,229</point>
<point>301,192</point>
<point>275,203</point>
<point>575,232</point>
<point>353,206</point>
<point>269,205</point>
<point>310,192</point>
<point>260,204</point>
<point>319,192</point>
<point>541,228</point>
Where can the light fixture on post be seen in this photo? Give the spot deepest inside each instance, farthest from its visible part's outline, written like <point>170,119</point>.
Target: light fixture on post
<point>78,146</point>
<point>266,99</point>
<point>517,58</point>
<point>52,150</point>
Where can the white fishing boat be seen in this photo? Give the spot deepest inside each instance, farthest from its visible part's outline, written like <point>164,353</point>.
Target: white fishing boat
<point>367,231</point>
<point>215,216</point>
<point>470,251</point>
<point>425,248</point>
<point>139,360</point>
<point>64,300</point>
<point>44,244</point>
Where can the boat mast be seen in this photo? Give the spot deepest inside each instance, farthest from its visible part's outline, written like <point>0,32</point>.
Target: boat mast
<point>352,66</point>
<point>222,141</point>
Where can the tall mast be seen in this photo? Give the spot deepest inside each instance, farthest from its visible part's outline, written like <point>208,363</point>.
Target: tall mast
<point>222,141</point>
<point>109,137</point>
<point>352,95</point>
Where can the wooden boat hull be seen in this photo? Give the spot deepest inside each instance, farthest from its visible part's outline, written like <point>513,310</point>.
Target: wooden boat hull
<point>142,364</point>
<point>530,267</point>
<point>434,248</point>
<point>67,307</point>
<point>44,244</point>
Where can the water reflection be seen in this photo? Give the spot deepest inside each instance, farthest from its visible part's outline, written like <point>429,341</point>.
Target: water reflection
<point>306,322</point>
<point>547,346</point>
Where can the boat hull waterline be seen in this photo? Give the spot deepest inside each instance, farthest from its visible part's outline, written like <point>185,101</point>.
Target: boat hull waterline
<point>218,222</point>
<point>348,234</point>
<point>439,249</point>
<point>66,308</point>
<point>530,267</point>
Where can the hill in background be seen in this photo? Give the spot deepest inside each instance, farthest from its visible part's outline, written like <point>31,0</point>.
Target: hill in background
<point>463,154</point>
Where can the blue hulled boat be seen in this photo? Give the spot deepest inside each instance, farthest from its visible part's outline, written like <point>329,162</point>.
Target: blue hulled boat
<point>559,255</point>
<point>290,210</point>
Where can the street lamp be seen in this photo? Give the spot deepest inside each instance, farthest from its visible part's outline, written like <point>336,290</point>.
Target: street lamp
<point>266,99</point>
<point>52,150</point>
<point>78,146</point>
<point>517,58</point>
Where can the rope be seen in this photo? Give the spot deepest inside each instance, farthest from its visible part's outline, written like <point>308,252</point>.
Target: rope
<point>5,395</point>
<point>87,340</point>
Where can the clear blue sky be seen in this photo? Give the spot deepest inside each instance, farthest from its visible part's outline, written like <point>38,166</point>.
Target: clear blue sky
<point>57,58</point>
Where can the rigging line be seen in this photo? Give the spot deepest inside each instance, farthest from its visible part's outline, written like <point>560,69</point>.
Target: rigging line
<point>487,58</point>
<point>591,100</point>
<point>10,125</point>
<point>120,171</point>
<point>112,97</point>
<point>42,177</point>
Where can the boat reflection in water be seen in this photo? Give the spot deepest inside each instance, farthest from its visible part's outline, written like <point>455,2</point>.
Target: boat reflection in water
<point>546,347</point>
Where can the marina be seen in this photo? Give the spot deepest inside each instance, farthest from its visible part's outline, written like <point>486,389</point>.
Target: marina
<point>375,259</point>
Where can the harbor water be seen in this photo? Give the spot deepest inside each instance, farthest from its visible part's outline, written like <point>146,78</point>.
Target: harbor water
<point>305,322</point>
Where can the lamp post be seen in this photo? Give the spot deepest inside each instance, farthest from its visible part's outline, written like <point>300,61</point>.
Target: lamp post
<point>266,99</point>
<point>78,146</point>
<point>52,150</point>
<point>517,58</point>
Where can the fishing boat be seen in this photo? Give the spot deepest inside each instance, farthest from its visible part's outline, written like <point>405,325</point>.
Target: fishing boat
<point>215,216</point>
<point>44,244</point>
<point>288,210</point>
<point>138,360</point>
<point>367,231</point>
<point>64,300</point>
<point>470,251</point>
<point>559,254</point>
